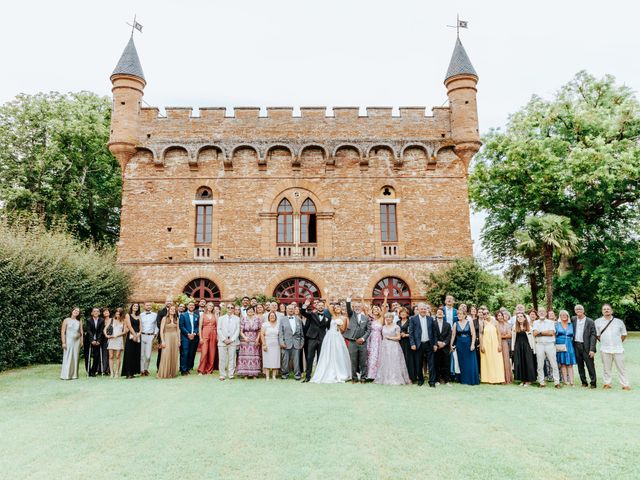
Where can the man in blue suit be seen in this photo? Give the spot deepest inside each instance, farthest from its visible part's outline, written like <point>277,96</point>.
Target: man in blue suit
<point>189,338</point>
<point>451,316</point>
<point>422,340</point>
<point>450,312</point>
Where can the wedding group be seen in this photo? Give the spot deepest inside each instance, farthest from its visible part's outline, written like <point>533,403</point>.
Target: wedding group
<point>348,341</point>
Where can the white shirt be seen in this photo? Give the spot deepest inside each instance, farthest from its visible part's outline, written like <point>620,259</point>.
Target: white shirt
<point>191,317</point>
<point>544,326</point>
<point>611,339</point>
<point>425,332</point>
<point>292,322</point>
<point>148,322</point>
<point>448,312</point>
<point>580,329</point>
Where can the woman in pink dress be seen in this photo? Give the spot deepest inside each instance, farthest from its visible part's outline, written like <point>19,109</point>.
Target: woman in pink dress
<point>505,331</point>
<point>392,369</point>
<point>208,340</point>
<point>249,356</point>
<point>375,338</point>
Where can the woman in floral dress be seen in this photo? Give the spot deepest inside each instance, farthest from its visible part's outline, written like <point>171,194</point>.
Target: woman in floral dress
<point>249,355</point>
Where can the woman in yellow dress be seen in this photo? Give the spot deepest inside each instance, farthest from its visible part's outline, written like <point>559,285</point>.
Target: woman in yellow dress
<point>491,364</point>
<point>170,340</point>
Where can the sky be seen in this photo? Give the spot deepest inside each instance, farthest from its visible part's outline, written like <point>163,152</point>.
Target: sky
<point>310,53</point>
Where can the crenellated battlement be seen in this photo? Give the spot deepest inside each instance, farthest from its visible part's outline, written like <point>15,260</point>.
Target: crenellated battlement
<point>251,112</point>
<point>263,130</point>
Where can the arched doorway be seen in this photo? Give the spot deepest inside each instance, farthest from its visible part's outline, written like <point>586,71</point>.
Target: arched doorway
<point>296,290</point>
<point>202,288</point>
<point>398,291</point>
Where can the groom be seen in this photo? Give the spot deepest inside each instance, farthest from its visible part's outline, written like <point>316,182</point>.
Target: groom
<point>357,333</point>
<point>314,330</point>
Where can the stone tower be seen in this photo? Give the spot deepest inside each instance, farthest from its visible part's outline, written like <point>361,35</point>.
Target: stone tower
<point>128,87</point>
<point>461,80</point>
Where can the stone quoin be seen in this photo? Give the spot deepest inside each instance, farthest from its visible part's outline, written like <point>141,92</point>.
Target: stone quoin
<point>219,204</point>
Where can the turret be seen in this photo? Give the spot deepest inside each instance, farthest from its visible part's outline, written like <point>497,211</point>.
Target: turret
<point>128,87</point>
<point>461,80</point>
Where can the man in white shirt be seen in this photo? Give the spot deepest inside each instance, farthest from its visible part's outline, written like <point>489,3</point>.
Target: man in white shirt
<point>246,301</point>
<point>149,329</point>
<point>228,340</point>
<point>612,332</point>
<point>544,332</point>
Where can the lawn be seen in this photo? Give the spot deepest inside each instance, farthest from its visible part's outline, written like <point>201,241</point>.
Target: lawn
<point>198,427</point>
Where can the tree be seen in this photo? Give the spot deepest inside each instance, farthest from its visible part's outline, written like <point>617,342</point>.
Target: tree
<point>578,156</point>
<point>470,283</point>
<point>547,234</point>
<point>54,161</point>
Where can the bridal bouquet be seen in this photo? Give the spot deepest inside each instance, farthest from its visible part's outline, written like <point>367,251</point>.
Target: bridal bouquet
<point>339,322</point>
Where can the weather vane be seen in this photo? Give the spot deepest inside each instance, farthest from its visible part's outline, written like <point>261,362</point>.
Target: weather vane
<point>459,24</point>
<point>135,26</point>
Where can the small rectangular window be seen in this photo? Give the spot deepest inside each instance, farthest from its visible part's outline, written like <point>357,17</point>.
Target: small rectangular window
<point>204,230</point>
<point>388,225</point>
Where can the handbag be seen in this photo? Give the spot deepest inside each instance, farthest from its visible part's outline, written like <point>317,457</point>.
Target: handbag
<point>456,365</point>
<point>562,347</point>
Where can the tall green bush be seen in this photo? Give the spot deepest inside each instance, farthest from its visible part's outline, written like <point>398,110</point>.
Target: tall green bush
<point>43,274</point>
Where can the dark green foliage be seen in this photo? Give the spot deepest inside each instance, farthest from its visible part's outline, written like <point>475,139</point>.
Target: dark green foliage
<point>54,161</point>
<point>43,274</point>
<point>470,283</point>
<point>577,156</point>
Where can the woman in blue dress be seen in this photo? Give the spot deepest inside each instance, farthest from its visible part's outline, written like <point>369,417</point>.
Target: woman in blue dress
<point>463,342</point>
<point>565,354</point>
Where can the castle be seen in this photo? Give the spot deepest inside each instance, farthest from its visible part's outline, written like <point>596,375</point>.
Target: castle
<point>321,204</point>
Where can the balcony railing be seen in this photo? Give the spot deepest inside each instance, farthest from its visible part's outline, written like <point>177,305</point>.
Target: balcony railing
<point>306,250</point>
<point>201,253</point>
<point>390,249</point>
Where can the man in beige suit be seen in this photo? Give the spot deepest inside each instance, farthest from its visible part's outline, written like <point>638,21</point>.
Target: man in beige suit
<point>228,340</point>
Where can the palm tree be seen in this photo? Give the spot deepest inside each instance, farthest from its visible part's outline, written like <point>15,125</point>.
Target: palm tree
<point>547,234</point>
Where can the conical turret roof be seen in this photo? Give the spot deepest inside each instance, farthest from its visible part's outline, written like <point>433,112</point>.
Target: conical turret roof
<point>460,63</point>
<point>129,63</point>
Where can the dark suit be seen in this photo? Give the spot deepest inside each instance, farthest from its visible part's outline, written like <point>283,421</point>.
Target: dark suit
<point>583,348</point>
<point>95,357</point>
<point>315,329</point>
<point>359,327</point>
<point>161,314</point>
<point>188,347</point>
<point>442,357</point>
<point>423,349</point>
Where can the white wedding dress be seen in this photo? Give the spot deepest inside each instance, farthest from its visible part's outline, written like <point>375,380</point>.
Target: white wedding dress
<point>334,364</point>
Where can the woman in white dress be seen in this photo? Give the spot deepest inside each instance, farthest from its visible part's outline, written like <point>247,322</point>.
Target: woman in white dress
<point>334,363</point>
<point>71,333</point>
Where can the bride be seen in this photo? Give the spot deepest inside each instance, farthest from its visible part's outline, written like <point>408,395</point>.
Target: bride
<point>334,363</point>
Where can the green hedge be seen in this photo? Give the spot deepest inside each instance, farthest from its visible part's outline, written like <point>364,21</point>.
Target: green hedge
<point>42,275</point>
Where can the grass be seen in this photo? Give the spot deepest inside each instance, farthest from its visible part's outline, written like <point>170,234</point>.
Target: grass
<point>198,427</point>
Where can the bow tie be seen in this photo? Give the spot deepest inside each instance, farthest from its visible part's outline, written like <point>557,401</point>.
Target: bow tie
<point>290,318</point>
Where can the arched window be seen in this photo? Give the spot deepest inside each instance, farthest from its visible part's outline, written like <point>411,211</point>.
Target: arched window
<point>204,216</point>
<point>296,290</point>
<point>285,222</point>
<point>398,291</point>
<point>204,193</point>
<point>202,288</point>
<point>308,222</point>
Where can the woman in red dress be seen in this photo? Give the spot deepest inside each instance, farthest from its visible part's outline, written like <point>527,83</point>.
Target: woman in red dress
<point>208,340</point>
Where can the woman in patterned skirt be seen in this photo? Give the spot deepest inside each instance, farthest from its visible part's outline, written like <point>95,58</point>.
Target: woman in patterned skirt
<point>249,355</point>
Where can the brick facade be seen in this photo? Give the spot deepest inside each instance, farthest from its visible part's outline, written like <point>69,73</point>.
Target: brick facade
<point>347,164</point>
